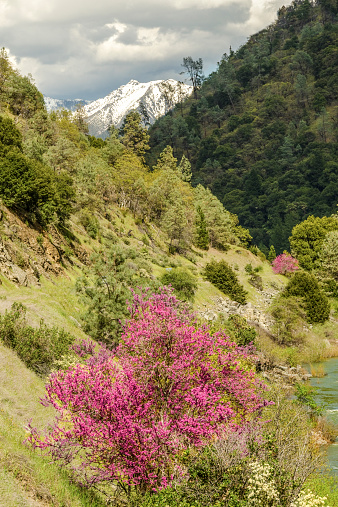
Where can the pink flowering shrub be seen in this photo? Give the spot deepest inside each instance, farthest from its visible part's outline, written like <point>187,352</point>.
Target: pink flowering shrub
<point>284,264</point>
<point>168,386</point>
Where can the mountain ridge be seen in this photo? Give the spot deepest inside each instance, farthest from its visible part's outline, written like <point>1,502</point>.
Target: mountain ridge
<point>152,99</point>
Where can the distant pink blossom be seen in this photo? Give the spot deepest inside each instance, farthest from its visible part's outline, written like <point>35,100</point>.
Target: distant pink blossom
<point>284,264</point>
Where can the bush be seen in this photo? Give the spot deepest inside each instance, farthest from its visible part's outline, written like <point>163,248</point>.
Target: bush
<point>284,264</point>
<point>305,286</point>
<point>243,333</point>
<point>183,282</point>
<point>27,185</point>
<point>37,348</point>
<point>308,237</point>
<point>169,387</point>
<point>222,276</point>
<point>289,319</point>
<point>90,223</point>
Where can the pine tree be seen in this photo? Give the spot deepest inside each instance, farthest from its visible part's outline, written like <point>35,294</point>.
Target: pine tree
<point>202,236</point>
<point>135,136</point>
<point>184,169</point>
<point>166,160</point>
<point>272,254</point>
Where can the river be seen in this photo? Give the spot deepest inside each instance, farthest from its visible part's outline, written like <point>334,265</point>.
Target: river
<point>327,394</point>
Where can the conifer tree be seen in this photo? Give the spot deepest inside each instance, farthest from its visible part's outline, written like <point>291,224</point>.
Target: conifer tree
<point>272,254</point>
<point>184,169</point>
<point>166,160</point>
<point>135,136</point>
<point>202,236</point>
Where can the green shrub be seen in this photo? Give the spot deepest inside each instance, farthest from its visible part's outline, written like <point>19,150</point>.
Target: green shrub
<point>289,319</point>
<point>238,328</point>
<point>37,348</point>
<point>27,185</point>
<point>222,276</point>
<point>248,269</point>
<point>256,281</point>
<point>90,223</point>
<point>183,282</point>
<point>305,286</point>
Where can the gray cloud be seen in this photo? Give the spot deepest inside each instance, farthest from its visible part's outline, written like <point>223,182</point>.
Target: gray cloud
<point>81,48</point>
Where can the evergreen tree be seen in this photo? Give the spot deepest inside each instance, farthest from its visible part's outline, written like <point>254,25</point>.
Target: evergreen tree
<point>184,169</point>
<point>202,236</point>
<point>134,135</point>
<point>166,160</point>
<point>272,254</point>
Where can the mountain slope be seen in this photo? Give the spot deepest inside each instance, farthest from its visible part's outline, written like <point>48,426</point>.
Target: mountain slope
<point>262,133</point>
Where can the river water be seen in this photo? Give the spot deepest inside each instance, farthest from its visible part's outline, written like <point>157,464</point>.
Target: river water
<point>327,394</point>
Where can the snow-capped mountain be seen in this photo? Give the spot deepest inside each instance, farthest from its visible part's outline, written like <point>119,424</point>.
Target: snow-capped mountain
<point>152,100</point>
<point>71,104</point>
<point>155,98</point>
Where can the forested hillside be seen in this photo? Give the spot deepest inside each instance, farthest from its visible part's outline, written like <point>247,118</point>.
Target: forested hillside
<point>262,130</point>
<point>169,344</point>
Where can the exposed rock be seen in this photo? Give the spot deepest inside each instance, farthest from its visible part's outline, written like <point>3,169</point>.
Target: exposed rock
<point>16,274</point>
<point>251,313</point>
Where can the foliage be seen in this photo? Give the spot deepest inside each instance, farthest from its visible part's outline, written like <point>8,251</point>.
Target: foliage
<point>240,330</point>
<point>194,69</point>
<point>184,169</point>
<point>183,282</point>
<point>308,237</point>
<point>289,317</point>
<point>261,132</point>
<point>106,289</point>
<point>223,277</point>
<point>134,135</point>
<point>328,257</point>
<point>27,185</point>
<point>219,222</point>
<point>284,264</point>
<point>202,236</point>
<point>246,467</point>
<point>38,348</point>
<point>89,222</point>
<point>166,160</point>
<point>169,386</point>
<point>272,254</point>
<point>305,394</point>
<point>308,499</point>
<point>304,286</point>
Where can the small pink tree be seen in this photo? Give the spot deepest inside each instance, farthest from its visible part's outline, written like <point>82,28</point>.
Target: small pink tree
<point>284,264</point>
<point>170,385</point>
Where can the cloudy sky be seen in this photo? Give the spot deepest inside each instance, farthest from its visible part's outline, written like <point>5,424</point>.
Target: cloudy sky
<point>87,48</point>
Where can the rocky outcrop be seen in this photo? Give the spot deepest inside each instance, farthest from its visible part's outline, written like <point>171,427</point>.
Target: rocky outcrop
<point>250,312</point>
<point>26,253</point>
<point>286,375</point>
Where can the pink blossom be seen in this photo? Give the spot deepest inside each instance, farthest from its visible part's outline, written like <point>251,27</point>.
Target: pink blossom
<point>284,264</point>
<point>168,386</point>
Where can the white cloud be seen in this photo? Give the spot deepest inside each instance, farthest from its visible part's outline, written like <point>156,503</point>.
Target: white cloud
<point>85,48</point>
<point>203,4</point>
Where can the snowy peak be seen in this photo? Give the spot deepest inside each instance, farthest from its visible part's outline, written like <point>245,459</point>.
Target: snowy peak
<point>70,104</point>
<point>152,100</point>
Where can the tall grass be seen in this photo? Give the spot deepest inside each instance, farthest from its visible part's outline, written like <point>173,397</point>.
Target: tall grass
<point>28,475</point>
<point>317,371</point>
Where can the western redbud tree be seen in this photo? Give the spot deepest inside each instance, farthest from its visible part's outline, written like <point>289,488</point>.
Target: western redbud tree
<point>284,264</point>
<point>168,386</point>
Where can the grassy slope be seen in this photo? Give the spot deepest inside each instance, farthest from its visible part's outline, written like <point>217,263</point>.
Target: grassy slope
<point>25,477</point>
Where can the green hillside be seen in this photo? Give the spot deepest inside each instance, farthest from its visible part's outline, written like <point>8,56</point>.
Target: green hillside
<point>84,223</point>
<point>262,131</point>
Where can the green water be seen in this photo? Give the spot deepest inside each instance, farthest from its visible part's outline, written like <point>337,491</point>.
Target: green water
<point>327,394</point>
